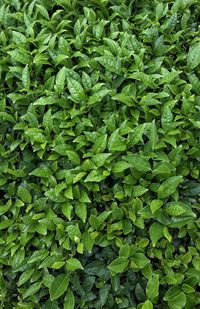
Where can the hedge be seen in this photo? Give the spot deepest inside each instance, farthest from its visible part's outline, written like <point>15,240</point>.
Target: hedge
<point>99,154</point>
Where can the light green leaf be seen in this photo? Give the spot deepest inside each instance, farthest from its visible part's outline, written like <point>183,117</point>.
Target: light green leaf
<point>139,260</point>
<point>59,286</point>
<point>81,211</point>
<point>155,205</point>
<point>45,101</point>
<point>136,135</point>
<point>118,265</point>
<point>73,156</point>
<point>193,57</point>
<point>67,210</point>
<point>156,232</point>
<point>19,38</point>
<point>24,195</point>
<point>25,276</point>
<point>6,223</point>
<point>42,11</point>
<point>121,166</point>
<point>137,162</point>
<point>100,158</point>
<point>20,55</point>
<point>152,289</point>
<point>5,208</point>
<point>74,233</point>
<point>32,290</point>
<point>153,135</point>
<point>76,90</point>
<point>86,81</point>
<point>110,63</point>
<point>175,297</point>
<point>60,80</point>
<point>26,77</point>
<point>175,208</point>
<point>147,305</point>
<point>100,144</point>
<point>63,150</point>
<point>42,171</point>
<point>116,142</point>
<point>95,176</point>
<point>169,186</point>
<point>166,119</point>
<point>69,301</point>
<point>48,121</point>
<point>139,190</point>
<point>73,264</point>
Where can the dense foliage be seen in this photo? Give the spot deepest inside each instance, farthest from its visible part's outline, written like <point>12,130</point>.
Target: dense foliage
<point>99,154</point>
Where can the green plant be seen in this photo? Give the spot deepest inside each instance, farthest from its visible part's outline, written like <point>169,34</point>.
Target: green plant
<point>99,154</point>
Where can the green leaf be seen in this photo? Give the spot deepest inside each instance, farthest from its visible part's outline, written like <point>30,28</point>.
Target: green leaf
<point>116,142</point>
<point>175,297</point>
<point>110,63</point>
<point>25,276</point>
<point>20,55</point>
<point>5,208</point>
<point>137,162</point>
<point>45,101</point>
<point>86,81</point>
<point>147,305</point>
<point>69,302</point>
<point>118,265</point>
<point>166,119</point>
<point>26,78</point>
<point>42,11</point>
<point>60,80</point>
<point>152,289</point>
<point>81,211</point>
<point>59,286</point>
<point>33,289</point>
<point>169,186</point>
<point>67,210</point>
<point>100,158</point>
<point>100,144</point>
<point>73,264</point>
<point>43,172</point>
<point>74,233</point>
<point>76,90</point>
<point>24,195</point>
<point>155,205</point>
<point>63,150</point>
<point>19,38</point>
<point>156,232</point>
<point>6,223</point>
<point>121,166</point>
<point>137,134</point>
<point>103,293</point>
<point>95,176</point>
<point>175,209</point>
<point>73,156</point>
<point>153,136</point>
<point>139,260</point>
<point>48,121</point>
<point>193,57</point>
<point>139,190</point>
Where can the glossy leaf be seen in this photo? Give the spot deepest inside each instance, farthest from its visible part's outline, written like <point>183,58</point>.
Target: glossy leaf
<point>59,286</point>
<point>193,58</point>
<point>169,186</point>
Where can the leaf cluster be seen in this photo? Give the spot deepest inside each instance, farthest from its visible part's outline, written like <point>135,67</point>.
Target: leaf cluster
<point>99,154</point>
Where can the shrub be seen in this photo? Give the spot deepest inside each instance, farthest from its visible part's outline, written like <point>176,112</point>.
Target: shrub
<point>100,155</point>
